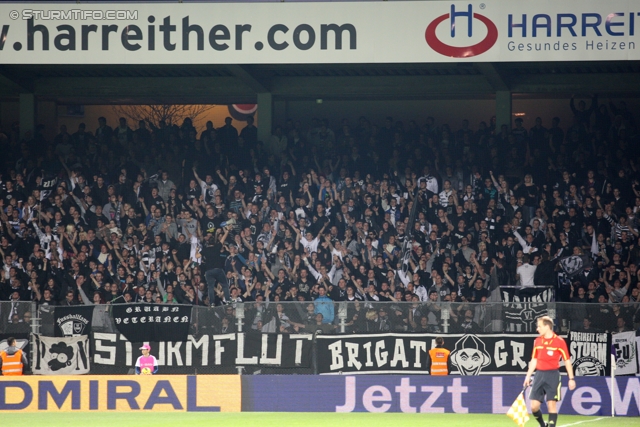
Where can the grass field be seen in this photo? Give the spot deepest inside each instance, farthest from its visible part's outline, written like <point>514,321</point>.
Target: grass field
<point>289,419</point>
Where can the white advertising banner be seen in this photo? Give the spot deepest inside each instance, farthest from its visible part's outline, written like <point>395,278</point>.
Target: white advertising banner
<point>336,32</point>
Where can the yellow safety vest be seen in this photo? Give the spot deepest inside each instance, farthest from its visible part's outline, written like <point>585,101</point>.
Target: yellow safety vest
<point>11,364</point>
<point>439,358</point>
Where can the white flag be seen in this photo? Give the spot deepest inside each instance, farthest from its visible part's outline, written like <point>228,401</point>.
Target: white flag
<point>624,349</point>
<point>594,246</point>
<point>61,356</point>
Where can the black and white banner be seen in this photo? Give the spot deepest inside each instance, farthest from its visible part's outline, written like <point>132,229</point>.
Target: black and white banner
<point>624,349</point>
<point>590,353</point>
<point>407,353</point>
<point>152,322</point>
<point>72,321</point>
<point>61,356</point>
<point>523,306</point>
<point>113,353</point>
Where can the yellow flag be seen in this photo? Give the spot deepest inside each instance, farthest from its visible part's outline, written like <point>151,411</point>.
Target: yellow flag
<point>518,411</point>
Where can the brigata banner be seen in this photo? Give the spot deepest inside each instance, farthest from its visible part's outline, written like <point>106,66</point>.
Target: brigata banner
<point>326,32</point>
<point>113,353</point>
<point>152,322</point>
<point>146,393</point>
<point>407,353</point>
<point>424,394</point>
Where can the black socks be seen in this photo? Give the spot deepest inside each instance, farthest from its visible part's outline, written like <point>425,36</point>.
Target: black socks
<point>553,420</point>
<point>538,417</point>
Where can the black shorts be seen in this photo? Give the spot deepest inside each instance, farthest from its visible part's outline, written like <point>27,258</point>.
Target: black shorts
<point>545,383</point>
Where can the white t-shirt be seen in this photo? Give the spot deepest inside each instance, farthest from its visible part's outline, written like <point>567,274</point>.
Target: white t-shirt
<point>526,272</point>
<point>312,245</point>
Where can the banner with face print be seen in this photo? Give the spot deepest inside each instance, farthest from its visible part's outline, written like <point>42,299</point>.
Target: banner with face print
<point>407,353</point>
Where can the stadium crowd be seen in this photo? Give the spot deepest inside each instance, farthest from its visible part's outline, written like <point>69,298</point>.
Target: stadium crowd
<point>321,215</point>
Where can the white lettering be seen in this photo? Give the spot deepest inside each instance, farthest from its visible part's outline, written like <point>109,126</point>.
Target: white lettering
<point>336,356</point>
<point>349,395</point>
<point>201,343</point>
<point>240,359</point>
<point>518,354</point>
<point>299,344</point>
<point>277,360</point>
<point>101,347</point>
<point>352,355</point>
<point>375,394</point>
<point>584,395</point>
<point>632,390</point>
<point>496,402</point>
<point>418,346</point>
<point>499,355</point>
<point>219,349</point>
<point>367,347</point>
<point>381,356</point>
<point>174,350</point>
<point>404,390</point>
<point>427,405</point>
<point>398,354</point>
<point>456,391</point>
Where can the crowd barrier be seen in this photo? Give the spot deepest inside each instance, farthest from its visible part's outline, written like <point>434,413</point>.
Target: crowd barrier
<point>282,338</point>
<point>306,393</point>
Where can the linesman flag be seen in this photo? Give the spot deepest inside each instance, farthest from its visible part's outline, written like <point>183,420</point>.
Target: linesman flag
<point>518,411</point>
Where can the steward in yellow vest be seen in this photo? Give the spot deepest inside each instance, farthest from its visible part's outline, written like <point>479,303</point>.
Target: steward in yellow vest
<point>12,359</point>
<point>438,362</point>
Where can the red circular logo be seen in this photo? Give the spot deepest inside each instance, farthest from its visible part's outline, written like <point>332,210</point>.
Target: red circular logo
<point>465,51</point>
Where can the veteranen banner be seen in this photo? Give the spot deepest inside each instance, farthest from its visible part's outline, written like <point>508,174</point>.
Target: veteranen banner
<point>152,322</point>
<point>407,353</point>
<point>329,32</point>
<point>114,354</point>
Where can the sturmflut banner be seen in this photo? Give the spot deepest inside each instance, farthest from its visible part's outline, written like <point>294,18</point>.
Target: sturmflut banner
<point>113,353</point>
<point>326,32</point>
<point>407,353</point>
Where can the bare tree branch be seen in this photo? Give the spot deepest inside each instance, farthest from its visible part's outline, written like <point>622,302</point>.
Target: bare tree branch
<point>170,114</point>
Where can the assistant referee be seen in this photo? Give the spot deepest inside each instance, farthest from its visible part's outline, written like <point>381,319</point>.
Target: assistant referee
<point>548,348</point>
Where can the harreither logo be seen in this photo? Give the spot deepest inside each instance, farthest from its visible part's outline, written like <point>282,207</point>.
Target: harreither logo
<point>461,51</point>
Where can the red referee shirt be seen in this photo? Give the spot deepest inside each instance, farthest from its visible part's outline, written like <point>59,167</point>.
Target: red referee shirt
<point>549,351</point>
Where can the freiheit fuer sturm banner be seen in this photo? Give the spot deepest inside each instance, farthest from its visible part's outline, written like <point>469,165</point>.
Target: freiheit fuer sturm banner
<point>326,32</point>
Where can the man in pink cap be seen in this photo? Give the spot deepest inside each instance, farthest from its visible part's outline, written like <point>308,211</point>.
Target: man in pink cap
<point>146,364</point>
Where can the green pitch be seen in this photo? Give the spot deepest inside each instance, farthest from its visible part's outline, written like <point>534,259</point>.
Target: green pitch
<point>289,419</point>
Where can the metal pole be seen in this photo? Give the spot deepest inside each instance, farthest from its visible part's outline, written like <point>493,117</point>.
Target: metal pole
<point>239,309</point>
<point>613,389</point>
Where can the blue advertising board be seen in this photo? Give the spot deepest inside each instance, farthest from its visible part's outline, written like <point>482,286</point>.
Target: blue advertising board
<point>425,394</point>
